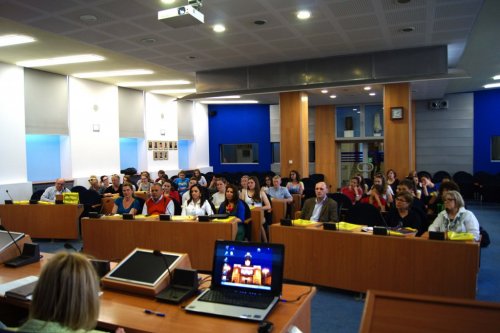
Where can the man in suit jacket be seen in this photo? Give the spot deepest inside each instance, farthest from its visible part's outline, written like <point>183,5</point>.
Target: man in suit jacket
<point>321,208</point>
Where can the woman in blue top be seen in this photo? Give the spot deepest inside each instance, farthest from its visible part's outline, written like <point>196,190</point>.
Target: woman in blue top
<point>126,204</point>
<point>234,207</point>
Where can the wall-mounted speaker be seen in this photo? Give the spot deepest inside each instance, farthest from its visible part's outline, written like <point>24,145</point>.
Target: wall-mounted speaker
<point>439,104</point>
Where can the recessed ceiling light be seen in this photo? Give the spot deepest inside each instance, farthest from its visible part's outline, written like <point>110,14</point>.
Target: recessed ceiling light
<point>402,2</point>
<point>492,85</point>
<point>259,22</point>
<point>168,2</point>
<point>124,72</point>
<point>226,97</point>
<point>153,83</point>
<point>367,88</point>
<point>496,77</point>
<point>88,18</point>
<point>354,109</point>
<point>191,57</point>
<point>324,91</point>
<point>173,91</point>
<point>7,40</point>
<point>372,94</point>
<point>219,28</point>
<point>149,40</point>
<point>303,14</point>
<point>333,96</point>
<point>74,59</point>
<point>407,29</point>
<point>241,101</point>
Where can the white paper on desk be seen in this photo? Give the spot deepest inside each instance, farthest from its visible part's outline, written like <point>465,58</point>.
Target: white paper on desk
<point>4,287</point>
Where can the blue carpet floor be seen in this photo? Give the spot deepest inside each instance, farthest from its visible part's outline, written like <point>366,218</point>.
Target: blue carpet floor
<point>340,311</point>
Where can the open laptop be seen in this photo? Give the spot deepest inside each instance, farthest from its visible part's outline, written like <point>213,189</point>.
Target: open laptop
<point>247,279</point>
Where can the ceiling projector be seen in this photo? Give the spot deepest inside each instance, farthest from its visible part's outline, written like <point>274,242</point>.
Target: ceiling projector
<point>180,17</point>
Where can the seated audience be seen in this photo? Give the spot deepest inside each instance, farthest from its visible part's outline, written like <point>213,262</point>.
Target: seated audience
<point>402,215</point>
<point>436,204</point>
<point>128,179</point>
<point>104,184</point>
<point>321,208</point>
<point>417,185</point>
<point>354,192</point>
<point>127,204</point>
<point>169,191</point>
<point>66,297</point>
<point>455,217</point>
<point>429,189</point>
<point>387,193</point>
<point>186,195</point>
<point>182,183</point>
<point>375,197</point>
<point>408,185</point>
<point>94,184</point>
<point>220,196</point>
<point>295,186</point>
<point>50,192</point>
<point>144,183</point>
<point>233,206</point>
<point>158,203</point>
<point>244,182</point>
<point>115,188</point>
<point>392,180</point>
<point>212,187</point>
<point>268,183</point>
<point>200,179</point>
<point>279,192</point>
<point>161,175</point>
<point>197,203</point>
<point>253,195</point>
<point>145,174</point>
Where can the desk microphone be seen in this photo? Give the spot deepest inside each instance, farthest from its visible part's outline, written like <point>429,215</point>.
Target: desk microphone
<point>159,254</point>
<point>11,237</point>
<point>7,191</point>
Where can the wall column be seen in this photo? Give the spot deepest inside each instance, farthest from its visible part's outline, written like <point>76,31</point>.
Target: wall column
<point>399,142</point>
<point>326,149</point>
<point>294,152</point>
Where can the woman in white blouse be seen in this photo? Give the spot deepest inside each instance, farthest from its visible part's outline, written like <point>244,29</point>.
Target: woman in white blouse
<point>254,196</point>
<point>197,204</point>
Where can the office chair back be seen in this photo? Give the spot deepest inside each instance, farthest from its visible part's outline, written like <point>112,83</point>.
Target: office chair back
<point>365,214</point>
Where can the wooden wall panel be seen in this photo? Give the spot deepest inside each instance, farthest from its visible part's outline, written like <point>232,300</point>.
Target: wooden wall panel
<point>398,139</point>
<point>326,149</point>
<point>294,133</point>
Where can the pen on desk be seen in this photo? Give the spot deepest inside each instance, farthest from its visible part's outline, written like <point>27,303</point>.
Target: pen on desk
<point>159,314</point>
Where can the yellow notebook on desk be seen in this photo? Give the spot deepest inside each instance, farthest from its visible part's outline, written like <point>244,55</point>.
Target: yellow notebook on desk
<point>304,223</point>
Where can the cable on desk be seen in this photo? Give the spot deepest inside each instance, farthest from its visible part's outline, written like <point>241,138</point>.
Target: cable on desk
<point>298,298</point>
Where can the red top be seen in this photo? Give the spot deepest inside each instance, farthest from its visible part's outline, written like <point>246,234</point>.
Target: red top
<point>159,207</point>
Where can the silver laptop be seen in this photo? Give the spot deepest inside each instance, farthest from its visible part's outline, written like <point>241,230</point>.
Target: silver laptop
<point>247,279</point>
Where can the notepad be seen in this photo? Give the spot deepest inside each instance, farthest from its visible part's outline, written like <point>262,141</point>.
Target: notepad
<point>9,286</point>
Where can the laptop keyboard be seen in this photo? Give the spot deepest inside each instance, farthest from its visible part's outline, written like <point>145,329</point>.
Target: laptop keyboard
<point>237,299</point>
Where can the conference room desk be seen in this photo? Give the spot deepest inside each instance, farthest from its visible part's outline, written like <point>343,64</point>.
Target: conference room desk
<point>43,221</point>
<point>388,312</point>
<point>120,309</point>
<point>113,239</point>
<point>360,261</point>
<point>279,208</point>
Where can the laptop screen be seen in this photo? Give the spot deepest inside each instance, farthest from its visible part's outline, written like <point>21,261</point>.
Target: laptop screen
<point>248,266</point>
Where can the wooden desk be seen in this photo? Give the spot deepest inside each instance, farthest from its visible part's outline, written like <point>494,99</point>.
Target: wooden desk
<point>43,221</point>
<point>113,239</point>
<point>127,311</point>
<point>388,312</point>
<point>257,220</point>
<point>278,207</point>
<point>361,261</point>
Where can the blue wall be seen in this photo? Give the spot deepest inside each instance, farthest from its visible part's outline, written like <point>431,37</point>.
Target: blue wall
<point>486,125</point>
<point>240,124</point>
<point>128,153</point>
<point>183,146</point>
<point>43,157</point>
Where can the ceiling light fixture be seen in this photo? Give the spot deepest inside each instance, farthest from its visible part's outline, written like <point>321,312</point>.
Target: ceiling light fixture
<point>8,40</point>
<point>496,77</point>
<point>174,91</point>
<point>333,96</point>
<point>492,85</point>
<point>303,14</point>
<point>124,72</point>
<point>168,2</point>
<point>259,22</point>
<point>367,88</point>
<point>226,97</point>
<point>219,28</point>
<point>372,94</point>
<point>324,91</point>
<point>407,29</point>
<point>74,59</point>
<point>88,18</point>
<point>242,101</point>
<point>153,83</point>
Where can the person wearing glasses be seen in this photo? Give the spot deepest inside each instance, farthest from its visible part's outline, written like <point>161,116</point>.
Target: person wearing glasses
<point>401,215</point>
<point>455,217</point>
<point>115,188</point>
<point>104,184</point>
<point>49,195</point>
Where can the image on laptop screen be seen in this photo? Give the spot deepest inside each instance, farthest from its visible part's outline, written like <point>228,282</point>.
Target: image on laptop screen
<point>248,266</point>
